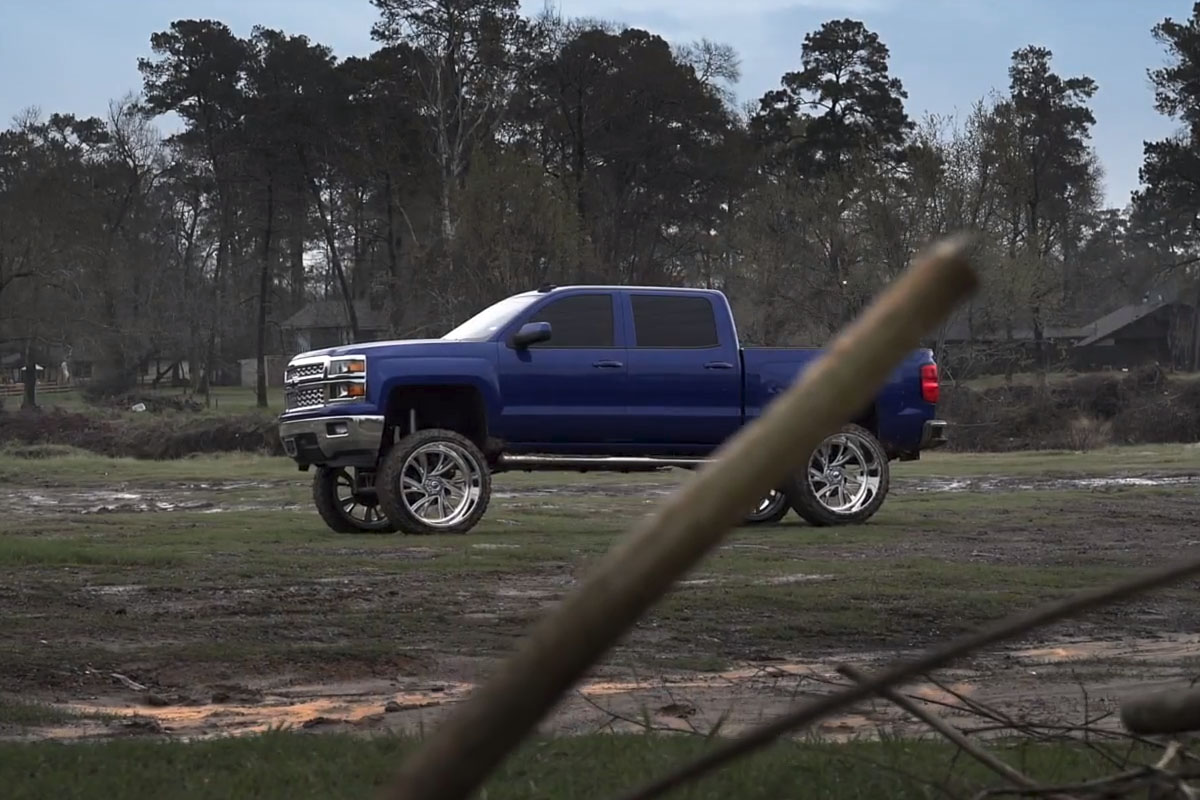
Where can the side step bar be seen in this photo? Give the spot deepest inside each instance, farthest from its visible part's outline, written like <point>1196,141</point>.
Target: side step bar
<point>549,463</point>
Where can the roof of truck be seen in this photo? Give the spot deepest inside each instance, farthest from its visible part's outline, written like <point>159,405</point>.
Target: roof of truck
<point>621,288</point>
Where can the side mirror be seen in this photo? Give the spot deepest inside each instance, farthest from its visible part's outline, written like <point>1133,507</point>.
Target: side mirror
<point>531,333</point>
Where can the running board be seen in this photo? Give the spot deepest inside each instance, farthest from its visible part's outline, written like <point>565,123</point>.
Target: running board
<point>549,463</point>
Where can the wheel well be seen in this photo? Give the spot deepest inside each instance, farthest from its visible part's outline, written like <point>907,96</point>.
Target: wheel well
<point>457,408</point>
<point>869,420</point>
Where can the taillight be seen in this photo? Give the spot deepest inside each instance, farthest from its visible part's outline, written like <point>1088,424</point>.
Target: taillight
<point>930,388</point>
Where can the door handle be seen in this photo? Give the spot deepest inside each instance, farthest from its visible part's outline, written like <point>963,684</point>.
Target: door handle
<point>608,364</point>
<point>718,365</point>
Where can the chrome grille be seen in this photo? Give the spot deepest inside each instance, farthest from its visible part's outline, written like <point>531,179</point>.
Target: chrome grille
<point>305,371</point>
<point>305,397</point>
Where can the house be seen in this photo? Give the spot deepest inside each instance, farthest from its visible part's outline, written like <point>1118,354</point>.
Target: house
<point>1156,330</point>
<point>248,370</point>
<point>324,323</point>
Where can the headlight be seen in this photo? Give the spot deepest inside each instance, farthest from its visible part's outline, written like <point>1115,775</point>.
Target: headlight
<point>347,391</point>
<point>348,366</point>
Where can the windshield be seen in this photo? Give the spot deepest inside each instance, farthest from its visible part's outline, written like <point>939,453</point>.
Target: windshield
<point>484,325</point>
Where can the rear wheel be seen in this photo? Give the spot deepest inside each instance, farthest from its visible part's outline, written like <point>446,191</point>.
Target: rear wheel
<point>770,509</point>
<point>434,481</point>
<point>845,480</point>
<point>343,508</point>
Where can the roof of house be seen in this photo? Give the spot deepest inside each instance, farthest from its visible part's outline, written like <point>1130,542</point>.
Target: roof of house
<point>1111,323</point>
<point>959,330</point>
<point>332,314</point>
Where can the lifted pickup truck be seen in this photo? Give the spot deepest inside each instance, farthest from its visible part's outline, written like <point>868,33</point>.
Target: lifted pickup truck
<point>405,435</point>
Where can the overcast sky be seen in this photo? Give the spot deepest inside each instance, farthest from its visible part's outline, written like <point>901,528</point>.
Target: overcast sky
<point>75,55</point>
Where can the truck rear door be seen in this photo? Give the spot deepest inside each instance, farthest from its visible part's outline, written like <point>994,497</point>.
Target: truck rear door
<point>685,385</point>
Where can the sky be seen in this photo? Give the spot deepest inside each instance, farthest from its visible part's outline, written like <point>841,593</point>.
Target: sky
<point>77,55</point>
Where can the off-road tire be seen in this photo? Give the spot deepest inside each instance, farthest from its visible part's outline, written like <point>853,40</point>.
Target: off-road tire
<point>779,509</point>
<point>333,514</point>
<point>804,495</point>
<point>388,482</point>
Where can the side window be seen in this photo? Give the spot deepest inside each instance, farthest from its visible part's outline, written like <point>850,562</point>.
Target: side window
<point>582,320</point>
<point>673,321</point>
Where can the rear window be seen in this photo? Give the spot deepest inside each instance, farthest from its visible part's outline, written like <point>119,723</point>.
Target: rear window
<point>673,321</point>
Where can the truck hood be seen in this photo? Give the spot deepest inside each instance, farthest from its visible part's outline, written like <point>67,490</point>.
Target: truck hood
<point>395,347</point>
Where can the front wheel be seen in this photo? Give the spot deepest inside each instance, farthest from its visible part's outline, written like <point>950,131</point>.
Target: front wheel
<point>343,508</point>
<point>434,481</point>
<point>845,480</point>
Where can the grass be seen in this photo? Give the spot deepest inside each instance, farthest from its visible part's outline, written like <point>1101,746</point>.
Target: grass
<point>284,765</point>
<point>225,399</point>
<point>237,590</point>
<point>183,601</point>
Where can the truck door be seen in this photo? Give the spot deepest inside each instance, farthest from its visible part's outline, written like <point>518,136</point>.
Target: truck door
<point>571,391</point>
<point>685,384</point>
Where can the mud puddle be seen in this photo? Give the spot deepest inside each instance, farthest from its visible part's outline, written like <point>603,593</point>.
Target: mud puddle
<point>1048,684</point>
<point>993,483</point>
<point>195,497</point>
<point>233,496</point>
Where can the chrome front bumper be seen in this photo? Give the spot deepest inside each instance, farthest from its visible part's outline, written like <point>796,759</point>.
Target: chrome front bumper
<point>333,441</point>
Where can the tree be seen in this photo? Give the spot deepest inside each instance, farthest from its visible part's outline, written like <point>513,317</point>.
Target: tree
<point>470,57</point>
<point>199,72</point>
<point>1169,200</point>
<point>843,101</point>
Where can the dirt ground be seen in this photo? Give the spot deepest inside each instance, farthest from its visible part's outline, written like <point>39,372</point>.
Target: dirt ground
<point>173,606</point>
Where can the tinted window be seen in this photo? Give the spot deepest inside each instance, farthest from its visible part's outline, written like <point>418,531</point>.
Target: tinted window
<point>666,321</point>
<point>582,320</point>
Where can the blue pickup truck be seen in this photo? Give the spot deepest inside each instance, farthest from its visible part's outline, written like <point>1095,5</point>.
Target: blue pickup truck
<point>405,435</point>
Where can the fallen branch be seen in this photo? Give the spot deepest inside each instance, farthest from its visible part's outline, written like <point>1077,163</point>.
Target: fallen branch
<point>644,564</point>
<point>977,752</point>
<point>931,660</point>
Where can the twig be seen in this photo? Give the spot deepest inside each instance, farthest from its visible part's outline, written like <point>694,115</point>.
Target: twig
<point>936,658</point>
<point>644,564</point>
<point>949,731</point>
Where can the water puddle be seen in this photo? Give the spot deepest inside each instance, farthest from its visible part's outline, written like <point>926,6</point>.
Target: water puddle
<point>234,496</point>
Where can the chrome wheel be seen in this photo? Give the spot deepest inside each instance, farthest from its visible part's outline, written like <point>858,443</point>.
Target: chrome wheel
<point>360,511</point>
<point>845,474</point>
<point>771,508</point>
<point>344,507</point>
<point>441,484</point>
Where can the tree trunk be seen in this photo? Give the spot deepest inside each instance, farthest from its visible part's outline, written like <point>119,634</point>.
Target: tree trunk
<point>1196,333</point>
<point>29,377</point>
<point>264,300</point>
<point>395,285</point>
<point>1039,344</point>
<point>331,244</point>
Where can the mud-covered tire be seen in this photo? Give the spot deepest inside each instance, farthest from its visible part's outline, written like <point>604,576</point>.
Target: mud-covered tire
<point>428,464</point>
<point>772,508</point>
<point>337,511</point>
<point>837,462</point>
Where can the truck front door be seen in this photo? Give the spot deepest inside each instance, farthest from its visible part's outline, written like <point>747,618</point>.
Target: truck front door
<point>568,393</point>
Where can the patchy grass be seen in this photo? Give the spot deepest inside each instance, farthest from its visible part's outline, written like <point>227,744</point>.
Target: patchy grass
<point>189,595</point>
<point>284,765</point>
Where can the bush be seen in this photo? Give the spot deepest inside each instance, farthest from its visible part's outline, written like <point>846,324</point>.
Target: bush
<point>162,436</point>
<point>1147,406</point>
<point>1087,433</point>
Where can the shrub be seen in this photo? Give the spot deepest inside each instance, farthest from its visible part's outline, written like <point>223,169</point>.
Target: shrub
<point>1086,433</point>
